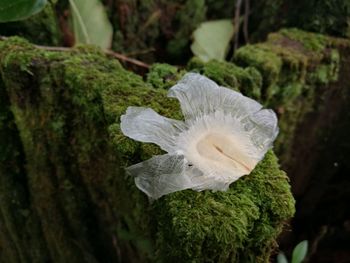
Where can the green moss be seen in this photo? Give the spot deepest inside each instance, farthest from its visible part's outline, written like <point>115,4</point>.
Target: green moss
<point>318,55</point>
<point>310,41</point>
<point>327,72</point>
<point>289,61</point>
<point>19,222</point>
<point>248,80</point>
<point>62,147</point>
<point>67,108</point>
<point>265,60</point>
<point>215,226</point>
<point>163,76</point>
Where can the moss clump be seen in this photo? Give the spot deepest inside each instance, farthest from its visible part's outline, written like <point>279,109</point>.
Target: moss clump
<point>247,80</point>
<point>67,107</point>
<point>216,226</point>
<point>265,60</point>
<point>163,76</point>
<point>294,63</point>
<point>310,41</point>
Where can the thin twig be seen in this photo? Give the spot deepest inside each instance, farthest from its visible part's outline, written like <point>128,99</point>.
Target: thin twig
<point>140,52</point>
<point>313,248</point>
<point>236,23</point>
<point>246,20</point>
<point>127,59</point>
<point>107,52</point>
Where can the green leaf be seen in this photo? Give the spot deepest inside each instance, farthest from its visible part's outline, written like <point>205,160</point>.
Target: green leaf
<point>281,258</point>
<point>299,252</point>
<point>212,39</point>
<point>90,23</point>
<point>14,10</point>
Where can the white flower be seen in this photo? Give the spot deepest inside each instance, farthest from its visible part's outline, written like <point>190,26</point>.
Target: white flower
<point>223,137</point>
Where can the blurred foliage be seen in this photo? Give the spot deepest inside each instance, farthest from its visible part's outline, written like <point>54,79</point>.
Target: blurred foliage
<point>42,28</point>
<point>90,23</point>
<point>212,39</point>
<point>331,17</point>
<point>298,255</point>
<point>14,10</point>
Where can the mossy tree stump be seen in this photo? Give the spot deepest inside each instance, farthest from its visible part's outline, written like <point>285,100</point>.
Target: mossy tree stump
<point>305,77</point>
<point>63,193</point>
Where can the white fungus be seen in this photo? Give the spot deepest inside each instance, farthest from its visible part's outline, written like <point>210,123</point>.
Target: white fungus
<point>223,137</point>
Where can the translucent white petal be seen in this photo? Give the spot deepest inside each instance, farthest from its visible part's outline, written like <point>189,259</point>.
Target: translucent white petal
<point>161,175</point>
<point>236,104</point>
<point>264,129</point>
<point>204,181</point>
<point>199,96</point>
<point>145,125</point>
<point>195,93</point>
